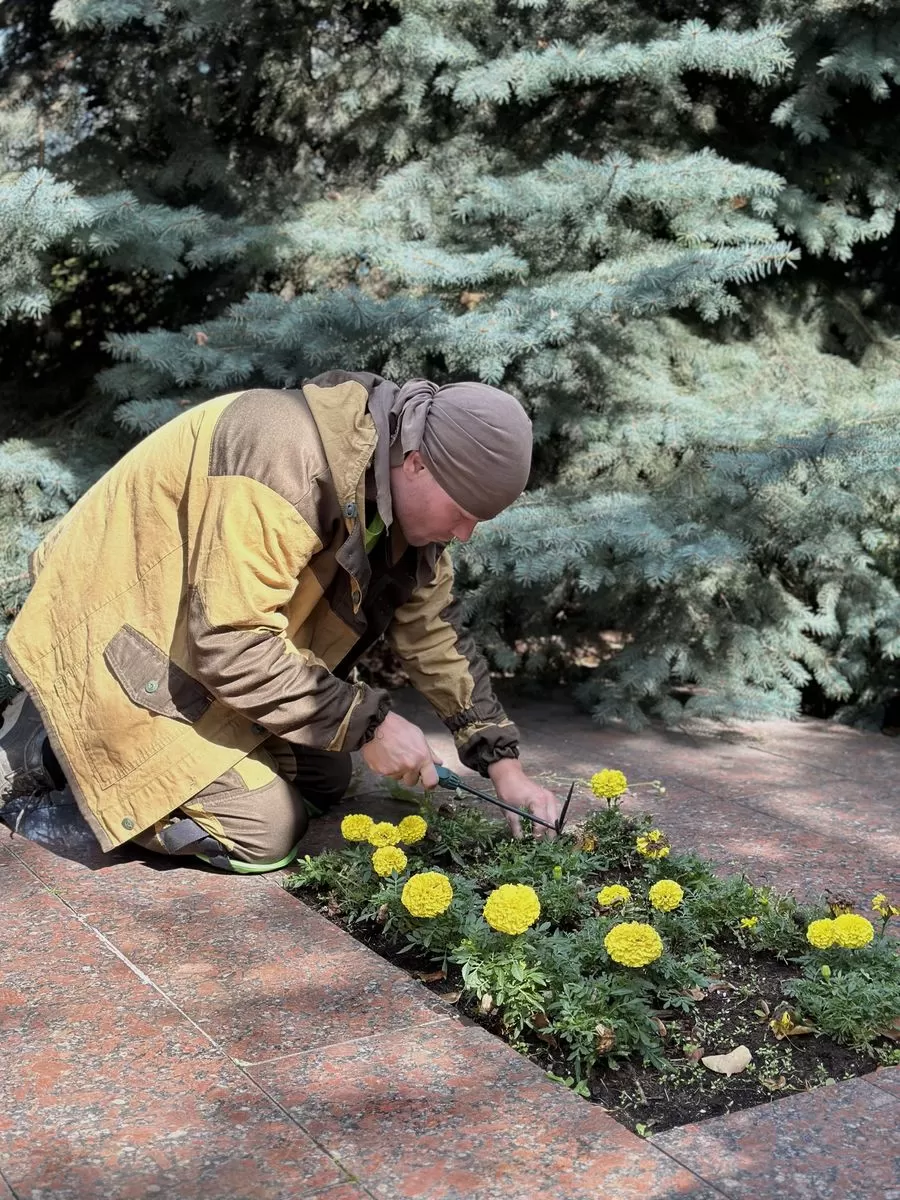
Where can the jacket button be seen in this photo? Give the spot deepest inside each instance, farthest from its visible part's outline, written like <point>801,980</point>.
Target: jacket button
<point>151,686</point>
<point>356,596</point>
<point>350,510</point>
<point>127,823</point>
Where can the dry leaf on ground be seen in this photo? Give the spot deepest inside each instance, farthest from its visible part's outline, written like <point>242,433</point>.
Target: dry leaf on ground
<point>729,1064</point>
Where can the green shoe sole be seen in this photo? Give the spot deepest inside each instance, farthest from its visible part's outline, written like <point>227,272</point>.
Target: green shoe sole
<point>244,868</point>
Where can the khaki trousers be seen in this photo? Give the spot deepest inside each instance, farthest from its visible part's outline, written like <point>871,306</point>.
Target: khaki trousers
<point>257,812</point>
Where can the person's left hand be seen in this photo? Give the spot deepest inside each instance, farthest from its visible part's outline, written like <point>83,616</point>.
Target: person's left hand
<point>514,787</point>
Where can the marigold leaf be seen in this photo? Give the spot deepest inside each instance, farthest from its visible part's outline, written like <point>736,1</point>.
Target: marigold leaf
<point>729,1064</point>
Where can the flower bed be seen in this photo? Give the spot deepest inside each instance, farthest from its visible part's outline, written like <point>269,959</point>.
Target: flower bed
<point>626,968</point>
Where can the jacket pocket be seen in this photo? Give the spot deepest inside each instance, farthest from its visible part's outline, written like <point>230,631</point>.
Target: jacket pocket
<point>150,679</point>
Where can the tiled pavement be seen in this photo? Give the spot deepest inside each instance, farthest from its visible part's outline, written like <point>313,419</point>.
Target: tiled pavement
<point>168,1031</point>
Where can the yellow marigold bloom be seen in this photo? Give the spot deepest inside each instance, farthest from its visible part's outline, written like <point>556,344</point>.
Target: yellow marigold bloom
<point>588,844</point>
<point>383,834</point>
<point>654,844</point>
<point>616,893</point>
<point>356,827</point>
<point>633,944</point>
<point>412,829</point>
<point>606,785</point>
<point>427,894</point>
<point>749,922</point>
<point>821,933</point>
<point>666,895</point>
<point>389,860</point>
<point>852,932</point>
<point>512,908</point>
<point>883,906</point>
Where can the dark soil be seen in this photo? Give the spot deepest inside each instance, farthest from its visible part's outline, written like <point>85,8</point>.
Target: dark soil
<point>735,1011</point>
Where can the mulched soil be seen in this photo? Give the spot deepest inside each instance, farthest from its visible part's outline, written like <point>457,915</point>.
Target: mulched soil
<point>735,1011</point>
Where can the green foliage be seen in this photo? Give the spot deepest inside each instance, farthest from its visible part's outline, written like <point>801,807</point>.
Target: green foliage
<point>557,983</point>
<point>858,999</point>
<point>592,205</point>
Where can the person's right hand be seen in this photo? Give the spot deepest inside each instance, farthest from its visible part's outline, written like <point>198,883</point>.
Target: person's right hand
<point>400,751</point>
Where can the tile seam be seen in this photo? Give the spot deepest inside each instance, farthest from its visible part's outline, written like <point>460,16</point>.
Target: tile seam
<point>12,1190</point>
<point>368,1037</point>
<point>716,1187</point>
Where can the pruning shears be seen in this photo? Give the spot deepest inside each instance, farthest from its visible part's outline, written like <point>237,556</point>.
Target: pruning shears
<point>448,779</point>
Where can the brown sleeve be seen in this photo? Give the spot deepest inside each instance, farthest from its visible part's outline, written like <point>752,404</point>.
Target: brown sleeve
<point>251,539</point>
<point>443,664</point>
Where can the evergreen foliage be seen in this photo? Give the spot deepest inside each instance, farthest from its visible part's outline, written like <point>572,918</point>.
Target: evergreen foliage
<point>673,238</point>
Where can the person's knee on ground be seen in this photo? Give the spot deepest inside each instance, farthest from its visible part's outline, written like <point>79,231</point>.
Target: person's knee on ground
<point>249,819</point>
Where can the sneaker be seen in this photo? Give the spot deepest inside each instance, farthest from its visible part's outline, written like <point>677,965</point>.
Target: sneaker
<point>22,738</point>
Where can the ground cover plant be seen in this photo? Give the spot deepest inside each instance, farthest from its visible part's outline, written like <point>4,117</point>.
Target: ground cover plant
<point>625,966</point>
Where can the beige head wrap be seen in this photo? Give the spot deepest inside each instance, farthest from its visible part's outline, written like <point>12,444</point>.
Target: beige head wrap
<point>474,439</point>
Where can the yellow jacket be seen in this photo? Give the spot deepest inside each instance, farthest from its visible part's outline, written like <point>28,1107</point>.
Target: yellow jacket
<point>213,588</point>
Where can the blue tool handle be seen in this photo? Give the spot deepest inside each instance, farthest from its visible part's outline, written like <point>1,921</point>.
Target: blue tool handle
<point>446,778</point>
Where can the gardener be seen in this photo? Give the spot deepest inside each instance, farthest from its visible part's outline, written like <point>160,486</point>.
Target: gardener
<point>187,646</point>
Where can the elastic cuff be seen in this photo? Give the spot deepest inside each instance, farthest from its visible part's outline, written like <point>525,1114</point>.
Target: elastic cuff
<point>495,754</point>
<point>384,707</point>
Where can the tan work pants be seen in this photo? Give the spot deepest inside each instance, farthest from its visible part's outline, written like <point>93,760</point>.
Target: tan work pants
<point>257,812</point>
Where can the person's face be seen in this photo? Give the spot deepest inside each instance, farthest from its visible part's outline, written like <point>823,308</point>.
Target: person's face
<point>423,509</point>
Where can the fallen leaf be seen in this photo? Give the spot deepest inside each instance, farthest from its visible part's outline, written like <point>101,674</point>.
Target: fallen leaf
<point>449,997</point>
<point>722,985</point>
<point>382,915</point>
<point>774,1085</point>
<point>540,1020</point>
<point>604,1038</point>
<point>891,1031</point>
<point>487,1002</point>
<point>784,1026</point>
<point>660,1027</point>
<point>729,1064</point>
<point>430,976</point>
<point>694,1054</point>
<point>695,993</point>
<point>763,1010</point>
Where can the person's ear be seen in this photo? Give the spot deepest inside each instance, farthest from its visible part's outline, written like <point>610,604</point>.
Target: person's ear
<point>414,464</point>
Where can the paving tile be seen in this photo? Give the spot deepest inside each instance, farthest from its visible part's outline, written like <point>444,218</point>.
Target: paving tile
<point>839,809</point>
<point>829,1143</point>
<point>886,1078</point>
<point>258,970</point>
<point>340,1191</point>
<point>453,1114</point>
<point>740,838</point>
<point>166,1115</point>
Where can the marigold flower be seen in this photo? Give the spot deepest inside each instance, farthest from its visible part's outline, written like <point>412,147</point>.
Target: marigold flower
<point>883,906</point>
<point>389,860</point>
<point>654,844</point>
<point>356,827</point>
<point>633,944</point>
<point>383,834</point>
<point>427,894</point>
<point>749,922</point>
<point>412,829</point>
<point>616,893</point>
<point>821,933</point>
<point>606,785</point>
<point>666,895</point>
<point>588,844</point>
<point>852,932</point>
<point>512,908</point>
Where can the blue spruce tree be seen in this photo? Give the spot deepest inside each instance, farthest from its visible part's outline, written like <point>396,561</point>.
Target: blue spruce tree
<point>673,239</point>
